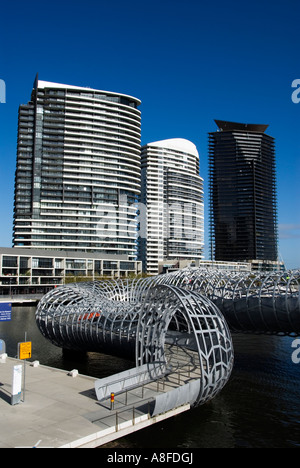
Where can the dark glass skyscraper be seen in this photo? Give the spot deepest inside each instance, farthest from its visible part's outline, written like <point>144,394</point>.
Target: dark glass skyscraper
<point>242,182</point>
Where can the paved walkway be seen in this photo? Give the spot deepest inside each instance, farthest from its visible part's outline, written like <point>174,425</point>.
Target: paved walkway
<point>62,411</point>
<point>20,299</point>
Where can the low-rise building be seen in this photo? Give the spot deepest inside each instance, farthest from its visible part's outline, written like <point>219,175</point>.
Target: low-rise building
<point>30,271</point>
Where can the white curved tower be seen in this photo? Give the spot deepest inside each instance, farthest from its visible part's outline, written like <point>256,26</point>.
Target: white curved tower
<point>172,191</point>
<point>78,170</point>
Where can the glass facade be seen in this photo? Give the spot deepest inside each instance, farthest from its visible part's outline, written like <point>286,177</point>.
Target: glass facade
<point>172,192</point>
<point>243,212</point>
<point>78,170</point>
<point>24,271</point>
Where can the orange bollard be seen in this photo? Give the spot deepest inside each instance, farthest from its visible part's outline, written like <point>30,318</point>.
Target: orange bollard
<point>112,401</point>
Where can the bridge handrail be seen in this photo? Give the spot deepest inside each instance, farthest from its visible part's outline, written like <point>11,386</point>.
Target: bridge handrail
<point>129,379</point>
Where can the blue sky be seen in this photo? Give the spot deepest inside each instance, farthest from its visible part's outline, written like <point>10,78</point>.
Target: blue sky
<point>189,62</point>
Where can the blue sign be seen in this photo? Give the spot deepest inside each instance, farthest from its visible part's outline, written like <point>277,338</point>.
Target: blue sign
<point>5,311</point>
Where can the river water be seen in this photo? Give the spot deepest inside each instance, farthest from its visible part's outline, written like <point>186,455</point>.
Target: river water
<point>259,407</point>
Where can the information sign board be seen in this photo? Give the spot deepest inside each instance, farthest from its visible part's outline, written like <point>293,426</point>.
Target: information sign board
<point>5,311</point>
<point>25,350</point>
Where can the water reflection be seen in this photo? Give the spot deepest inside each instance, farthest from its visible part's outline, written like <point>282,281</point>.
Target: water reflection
<point>259,407</point>
<point>23,320</point>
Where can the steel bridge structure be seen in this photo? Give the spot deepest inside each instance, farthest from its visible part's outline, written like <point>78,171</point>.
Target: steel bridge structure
<point>191,312</point>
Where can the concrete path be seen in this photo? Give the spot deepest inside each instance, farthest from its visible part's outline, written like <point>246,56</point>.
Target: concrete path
<point>61,411</point>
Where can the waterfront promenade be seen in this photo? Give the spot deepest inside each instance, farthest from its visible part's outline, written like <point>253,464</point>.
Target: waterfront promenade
<point>62,411</point>
<point>22,299</point>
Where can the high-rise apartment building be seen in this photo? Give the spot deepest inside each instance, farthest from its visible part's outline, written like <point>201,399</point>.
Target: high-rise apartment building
<point>243,211</point>
<point>78,170</point>
<point>171,215</point>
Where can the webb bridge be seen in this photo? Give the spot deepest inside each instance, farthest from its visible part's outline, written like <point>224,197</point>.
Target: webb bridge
<point>172,323</point>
